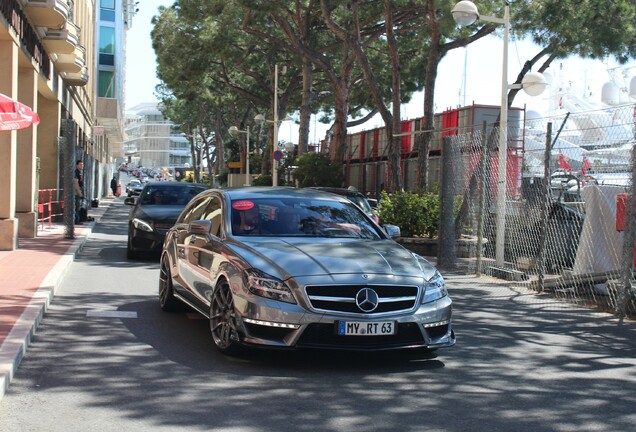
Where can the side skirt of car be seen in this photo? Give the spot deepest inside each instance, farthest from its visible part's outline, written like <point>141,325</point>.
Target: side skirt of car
<point>192,305</point>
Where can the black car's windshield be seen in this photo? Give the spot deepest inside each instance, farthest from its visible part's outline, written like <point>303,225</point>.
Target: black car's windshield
<point>300,218</point>
<point>161,195</point>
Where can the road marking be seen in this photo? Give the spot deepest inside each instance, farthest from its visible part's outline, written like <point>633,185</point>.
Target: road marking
<point>110,314</point>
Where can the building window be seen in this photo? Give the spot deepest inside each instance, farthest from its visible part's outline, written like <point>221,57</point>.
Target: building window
<point>107,46</point>
<point>106,86</point>
<point>107,10</point>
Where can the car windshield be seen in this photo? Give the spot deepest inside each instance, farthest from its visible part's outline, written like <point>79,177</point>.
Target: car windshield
<point>361,202</point>
<point>158,195</point>
<point>299,217</point>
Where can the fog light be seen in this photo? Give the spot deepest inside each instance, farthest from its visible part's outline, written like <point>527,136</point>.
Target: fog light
<point>270,323</point>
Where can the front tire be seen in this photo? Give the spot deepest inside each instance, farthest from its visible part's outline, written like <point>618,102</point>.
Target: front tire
<point>130,252</point>
<point>167,300</point>
<point>223,320</point>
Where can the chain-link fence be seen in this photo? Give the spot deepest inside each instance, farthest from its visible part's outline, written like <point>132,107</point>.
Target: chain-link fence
<point>563,220</point>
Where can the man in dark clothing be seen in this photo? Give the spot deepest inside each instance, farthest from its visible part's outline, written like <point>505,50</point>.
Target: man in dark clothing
<point>78,187</point>
<point>113,185</point>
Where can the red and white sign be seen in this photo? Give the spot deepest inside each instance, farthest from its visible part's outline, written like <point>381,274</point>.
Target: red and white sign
<point>242,205</point>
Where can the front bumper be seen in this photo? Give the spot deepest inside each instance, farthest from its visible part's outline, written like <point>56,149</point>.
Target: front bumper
<point>269,323</point>
<point>144,241</point>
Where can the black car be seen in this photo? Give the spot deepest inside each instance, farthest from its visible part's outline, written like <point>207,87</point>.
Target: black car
<point>354,196</point>
<point>154,213</point>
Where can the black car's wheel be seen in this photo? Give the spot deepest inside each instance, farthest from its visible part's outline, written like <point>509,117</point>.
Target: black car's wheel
<point>223,321</point>
<point>130,252</point>
<point>167,300</point>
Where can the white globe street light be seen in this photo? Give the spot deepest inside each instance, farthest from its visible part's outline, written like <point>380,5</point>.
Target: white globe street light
<point>234,131</point>
<point>465,13</point>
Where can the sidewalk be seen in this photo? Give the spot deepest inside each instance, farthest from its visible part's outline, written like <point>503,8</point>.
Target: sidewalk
<point>29,277</point>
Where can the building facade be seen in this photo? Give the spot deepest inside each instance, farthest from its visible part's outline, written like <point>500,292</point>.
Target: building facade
<point>154,141</point>
<point>114,18</point>
<point>65,59</point>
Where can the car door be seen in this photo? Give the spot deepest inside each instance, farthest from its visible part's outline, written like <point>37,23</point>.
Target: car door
<point>182,236</point>
<point>202,250</point>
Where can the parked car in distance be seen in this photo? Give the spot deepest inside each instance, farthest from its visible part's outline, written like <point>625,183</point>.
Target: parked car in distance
<point>300,268</point>
<point>154,212</point>
<point>134,187</point>
<point>354,196</point>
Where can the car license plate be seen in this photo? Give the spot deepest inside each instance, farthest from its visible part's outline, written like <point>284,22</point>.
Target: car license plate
<point>360,328</point>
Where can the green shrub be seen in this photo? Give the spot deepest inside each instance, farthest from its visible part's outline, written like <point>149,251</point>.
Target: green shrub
<point>416,215</point>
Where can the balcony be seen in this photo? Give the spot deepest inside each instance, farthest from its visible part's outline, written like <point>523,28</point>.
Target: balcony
<point>48,13</point>
<point>72,63</point>
<point>78,79</point>
<point>62,41</point>
<point>109,115</point>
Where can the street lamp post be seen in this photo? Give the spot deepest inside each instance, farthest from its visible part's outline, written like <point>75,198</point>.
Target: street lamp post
<point>275,143</point>
<point>234,131</point>
<point>465,13</point>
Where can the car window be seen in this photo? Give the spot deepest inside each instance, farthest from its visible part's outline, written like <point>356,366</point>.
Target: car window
<point>300,218</point>
<point>194,210</point>
<point>213,213</point>
<point>361,202</point>
<point>170,196</point>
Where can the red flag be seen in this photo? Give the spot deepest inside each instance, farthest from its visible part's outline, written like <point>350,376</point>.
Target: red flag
<point>585,167</point>
<point>563,162</point>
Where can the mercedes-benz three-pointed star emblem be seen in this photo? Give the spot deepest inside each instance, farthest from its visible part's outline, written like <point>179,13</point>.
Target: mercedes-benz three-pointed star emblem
<point>367,300</point>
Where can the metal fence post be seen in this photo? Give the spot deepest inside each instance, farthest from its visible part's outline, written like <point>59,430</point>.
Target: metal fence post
<point>482,196</point>
<point>628,242</point>
<point>446,253</point>
<point>68,153</point>
<point>544,207</point>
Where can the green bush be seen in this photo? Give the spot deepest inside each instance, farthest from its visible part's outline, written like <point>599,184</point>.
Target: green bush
<point>416,215</point>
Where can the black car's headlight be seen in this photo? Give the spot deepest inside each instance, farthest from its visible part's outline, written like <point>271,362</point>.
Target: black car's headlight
<point>142,225</point>
<point>435,288</point>
<point>264,285</point>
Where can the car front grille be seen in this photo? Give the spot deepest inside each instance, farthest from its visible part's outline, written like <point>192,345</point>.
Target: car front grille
<point>325,336</point>
<point>163,227</point>
<point>342,298</point>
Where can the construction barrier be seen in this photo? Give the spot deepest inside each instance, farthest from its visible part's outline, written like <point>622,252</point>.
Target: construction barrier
<point>49,206</point>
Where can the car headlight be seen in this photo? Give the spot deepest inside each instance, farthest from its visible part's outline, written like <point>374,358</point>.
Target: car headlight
<point>264,285</point>
<point>435,288</point>
<point>142,225</point>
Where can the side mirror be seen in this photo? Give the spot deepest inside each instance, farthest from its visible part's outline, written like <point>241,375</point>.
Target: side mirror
<point>129,201</point>
<point>393,231</point>
<point>201,227</point>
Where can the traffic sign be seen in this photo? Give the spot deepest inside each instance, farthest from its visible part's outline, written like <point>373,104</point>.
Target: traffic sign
<point>278,155</point>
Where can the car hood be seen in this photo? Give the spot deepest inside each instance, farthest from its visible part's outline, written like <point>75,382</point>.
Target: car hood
<point>286,258</point>
<point>162,213</point>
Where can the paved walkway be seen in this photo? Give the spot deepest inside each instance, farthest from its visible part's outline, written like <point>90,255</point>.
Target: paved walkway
<point>29,276</point>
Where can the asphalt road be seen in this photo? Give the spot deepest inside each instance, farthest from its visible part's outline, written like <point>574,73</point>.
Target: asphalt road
<point>106,358</point>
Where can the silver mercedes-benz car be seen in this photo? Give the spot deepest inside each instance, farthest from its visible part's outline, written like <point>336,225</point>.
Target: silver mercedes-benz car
<point>298,268</point>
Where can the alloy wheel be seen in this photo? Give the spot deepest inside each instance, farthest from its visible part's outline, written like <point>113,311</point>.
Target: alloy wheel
<point>223,319</point>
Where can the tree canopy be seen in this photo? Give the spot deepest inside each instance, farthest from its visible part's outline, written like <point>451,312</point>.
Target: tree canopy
<point>349,59</point>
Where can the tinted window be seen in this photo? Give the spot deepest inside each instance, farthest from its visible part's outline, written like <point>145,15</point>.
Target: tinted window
<point>300,218</point>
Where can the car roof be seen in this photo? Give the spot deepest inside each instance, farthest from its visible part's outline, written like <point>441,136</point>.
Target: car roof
<point>174,184</point>
<point>254,192</point>
<point>336,190</point>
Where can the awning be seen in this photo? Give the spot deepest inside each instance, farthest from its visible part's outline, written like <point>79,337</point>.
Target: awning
<point>15,115</point>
